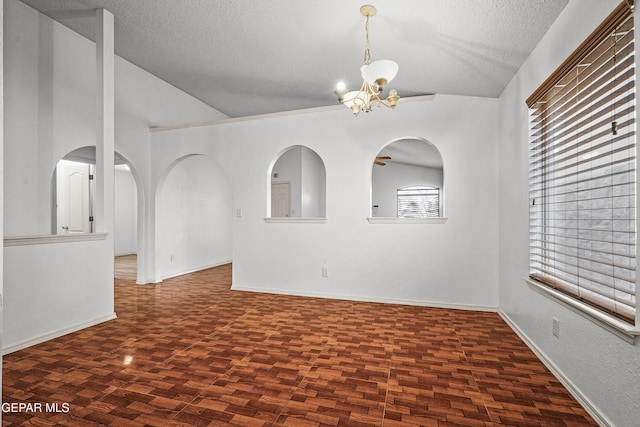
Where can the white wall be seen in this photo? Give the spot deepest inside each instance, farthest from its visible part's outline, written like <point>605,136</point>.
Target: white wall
<point>126,212</point>
<point>51,289</point>
<point>419,263</point>
<point>601,366</point>
<point>386,180</point>
<point>194,217</point>
<point>49,104</point>
<point>313,191</point>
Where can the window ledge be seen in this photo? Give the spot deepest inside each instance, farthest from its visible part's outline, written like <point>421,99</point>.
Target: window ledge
<point>296,220</point>
<point>52,238</point>
<point>393,220</point>
<point>614,325</point>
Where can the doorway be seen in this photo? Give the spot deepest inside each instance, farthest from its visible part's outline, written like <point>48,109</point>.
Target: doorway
<point>280,199</point>
<point>74,198</point>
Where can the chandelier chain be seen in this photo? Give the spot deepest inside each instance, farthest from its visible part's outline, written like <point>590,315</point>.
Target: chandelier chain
<point>367,50</point>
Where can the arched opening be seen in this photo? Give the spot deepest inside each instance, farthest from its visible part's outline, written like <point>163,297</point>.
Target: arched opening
<point>297,184</point>
<point>73,197</point>
<point>407,180</point>
<point>193,217</point>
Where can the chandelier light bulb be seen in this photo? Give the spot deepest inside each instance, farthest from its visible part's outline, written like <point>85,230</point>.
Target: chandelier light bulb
<point>393,98</point>
<point>341,90</point>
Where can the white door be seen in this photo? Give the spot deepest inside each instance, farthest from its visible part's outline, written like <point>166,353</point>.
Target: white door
<point>76,198</point>
<point>280,203</point>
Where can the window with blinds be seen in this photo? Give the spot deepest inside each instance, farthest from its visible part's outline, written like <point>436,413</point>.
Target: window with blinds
<point>582,172</point>
<point>418,202</point>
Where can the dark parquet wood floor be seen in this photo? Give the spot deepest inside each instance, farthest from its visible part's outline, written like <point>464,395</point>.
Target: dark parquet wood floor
<point>190,352</point>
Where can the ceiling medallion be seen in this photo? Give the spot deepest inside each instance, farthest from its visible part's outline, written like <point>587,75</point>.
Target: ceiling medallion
<point>376,75</point>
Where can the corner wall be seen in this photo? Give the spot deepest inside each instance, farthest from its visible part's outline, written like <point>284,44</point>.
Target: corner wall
<point>600,368</point>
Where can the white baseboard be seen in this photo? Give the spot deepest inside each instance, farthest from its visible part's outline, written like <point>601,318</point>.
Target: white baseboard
<point>366,299</point>
<point>206,267</point>
<point>55,334</point>
<point>598,417</point>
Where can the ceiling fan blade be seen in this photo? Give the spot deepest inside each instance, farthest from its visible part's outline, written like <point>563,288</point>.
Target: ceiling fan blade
<point>379,163</point>
<point>416,96</point>
<point>383,158</point>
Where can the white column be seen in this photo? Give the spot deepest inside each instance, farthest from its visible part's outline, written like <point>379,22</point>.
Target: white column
<point>104,179</point>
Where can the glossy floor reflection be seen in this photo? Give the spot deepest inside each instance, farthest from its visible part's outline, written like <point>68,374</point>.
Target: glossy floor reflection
<point>190,352</point>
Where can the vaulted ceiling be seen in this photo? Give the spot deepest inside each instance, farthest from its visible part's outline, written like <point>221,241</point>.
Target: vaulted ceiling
<point>247,57</point>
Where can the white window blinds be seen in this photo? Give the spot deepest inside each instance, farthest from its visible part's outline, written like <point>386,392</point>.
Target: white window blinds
<point>418,202</point>
<point>582,172</point>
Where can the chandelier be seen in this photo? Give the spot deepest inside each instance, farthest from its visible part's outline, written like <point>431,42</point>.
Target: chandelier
<point>376,75</point>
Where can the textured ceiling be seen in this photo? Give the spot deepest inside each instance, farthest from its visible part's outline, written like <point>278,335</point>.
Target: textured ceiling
<point>247,57</point>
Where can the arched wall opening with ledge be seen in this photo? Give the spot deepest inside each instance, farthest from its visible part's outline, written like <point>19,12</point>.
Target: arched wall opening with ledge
<point>297,184</point>
<point>407,182</point>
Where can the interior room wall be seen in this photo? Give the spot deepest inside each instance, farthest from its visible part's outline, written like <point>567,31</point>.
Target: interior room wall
<point>52,289</point>
<point>313,197</point>
<point>599,365</point>
<point>411,263</point>
<point>386,180</point>
<point>49,104</point>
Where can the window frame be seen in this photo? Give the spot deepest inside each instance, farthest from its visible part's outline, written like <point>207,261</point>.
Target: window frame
<point>627,328</point>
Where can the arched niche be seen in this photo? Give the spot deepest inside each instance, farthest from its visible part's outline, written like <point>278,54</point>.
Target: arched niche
<point>407,181</point>
<point>297,184</point>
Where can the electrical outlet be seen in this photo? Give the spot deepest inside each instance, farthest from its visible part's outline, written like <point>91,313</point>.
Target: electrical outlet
<point>556,328</point>
<point>173,257</point>
<point>325,272</point>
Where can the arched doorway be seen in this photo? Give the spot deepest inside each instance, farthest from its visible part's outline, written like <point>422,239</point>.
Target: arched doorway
<point>73,205</point>
<point>193,217</point>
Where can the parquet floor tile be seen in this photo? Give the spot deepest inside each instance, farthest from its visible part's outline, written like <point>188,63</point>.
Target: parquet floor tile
<point>191,352</point>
